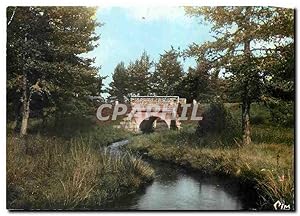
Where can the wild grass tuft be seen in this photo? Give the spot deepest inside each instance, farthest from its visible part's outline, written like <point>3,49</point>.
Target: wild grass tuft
<point>277,186</point>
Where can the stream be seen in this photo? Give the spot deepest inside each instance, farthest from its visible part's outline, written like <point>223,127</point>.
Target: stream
<point>175,188</point>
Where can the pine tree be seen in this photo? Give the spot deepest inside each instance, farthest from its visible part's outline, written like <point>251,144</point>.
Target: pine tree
<point>140,75</point>
<point>167,74</point>
<point>119,86</point>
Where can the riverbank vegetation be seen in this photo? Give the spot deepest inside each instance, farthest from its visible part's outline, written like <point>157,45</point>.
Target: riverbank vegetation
<point>55,172</point>
<point>266,164</point>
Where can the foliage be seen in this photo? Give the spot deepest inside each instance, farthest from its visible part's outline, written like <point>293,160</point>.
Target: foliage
<point>135,79</point>
<point>251,69</point>
<point>282,112</point>
<point>139,75</point>
<point>119,87</point>
<point>47,72</point>
<point>199,84</point>
<point>216,122</point>
<point>280,84</point>
<point>168,73</point>
<point>257,119</point>
<point>260,114</point>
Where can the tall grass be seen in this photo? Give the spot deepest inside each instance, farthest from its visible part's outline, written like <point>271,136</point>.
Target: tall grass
<point>276,187</point>
<point>104,135</point>
<point>52,173</point>
<point>273,134</point>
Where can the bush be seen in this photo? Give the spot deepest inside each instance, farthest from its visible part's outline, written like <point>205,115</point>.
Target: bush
<point>282,113</point>
<point>65,127</point>
<point>218,126</point>
<point>257,119</point>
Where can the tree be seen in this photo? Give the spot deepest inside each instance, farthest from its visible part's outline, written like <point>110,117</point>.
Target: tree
<point>119,87</point>
<point>44,47</point>
<point>139,75</point>
<point>248,40</point>
<point>167,74</point>
<point>279,95</point>
<point>199,84</point>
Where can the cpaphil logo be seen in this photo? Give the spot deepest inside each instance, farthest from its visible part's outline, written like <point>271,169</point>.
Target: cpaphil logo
<point>281,206</point>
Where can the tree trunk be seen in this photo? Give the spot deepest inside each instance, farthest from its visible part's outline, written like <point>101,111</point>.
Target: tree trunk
<point>246,122</point>
<point>25,106</point>
<point>246,100</point>
<point>18,117</point>
<point>25,117</point>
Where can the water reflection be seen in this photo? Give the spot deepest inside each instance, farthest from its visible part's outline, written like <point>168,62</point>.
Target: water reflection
<point>174,189</point>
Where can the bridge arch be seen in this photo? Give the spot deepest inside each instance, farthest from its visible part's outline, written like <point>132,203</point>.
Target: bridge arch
<point>151,123</point>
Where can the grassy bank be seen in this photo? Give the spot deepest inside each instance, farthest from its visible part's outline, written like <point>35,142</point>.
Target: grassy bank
<point>53,172</point>
<point>267,163</point>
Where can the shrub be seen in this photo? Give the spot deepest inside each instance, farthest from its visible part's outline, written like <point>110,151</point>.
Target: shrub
<point>282,113</point>
<point>257,119</point>
<point>218,126</point>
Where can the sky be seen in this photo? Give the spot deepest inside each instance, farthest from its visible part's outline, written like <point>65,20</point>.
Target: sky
<point>127,32</point>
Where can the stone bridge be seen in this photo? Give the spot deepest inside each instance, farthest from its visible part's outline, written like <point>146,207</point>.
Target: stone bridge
<point>148,110</point>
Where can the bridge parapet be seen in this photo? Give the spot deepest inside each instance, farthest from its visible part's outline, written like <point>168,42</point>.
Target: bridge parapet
<point>182,100</point>
<point>161,101</point>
